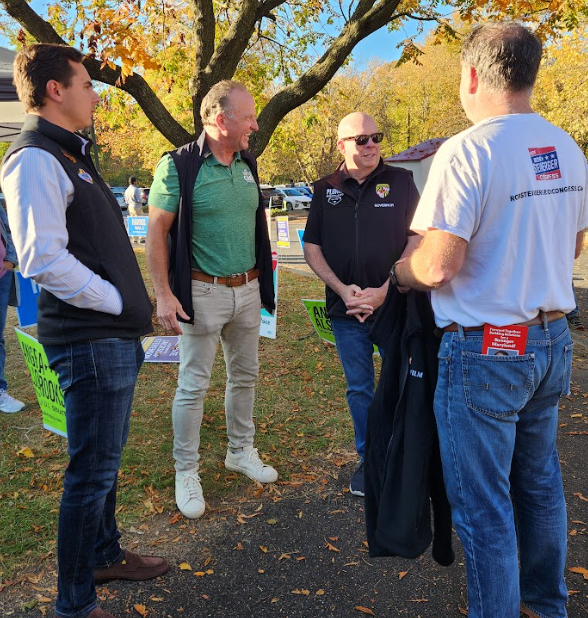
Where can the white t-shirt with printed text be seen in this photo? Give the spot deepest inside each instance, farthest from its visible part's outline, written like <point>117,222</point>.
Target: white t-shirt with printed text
<point>514,187</point>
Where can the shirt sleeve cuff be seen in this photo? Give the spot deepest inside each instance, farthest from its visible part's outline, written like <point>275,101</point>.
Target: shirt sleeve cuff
<point>113,303</point>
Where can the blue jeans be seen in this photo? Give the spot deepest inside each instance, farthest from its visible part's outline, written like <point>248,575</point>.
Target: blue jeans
<point>356,352</point>
<point>98,380</point>
<point>497,418</point>
<point>5,285</point>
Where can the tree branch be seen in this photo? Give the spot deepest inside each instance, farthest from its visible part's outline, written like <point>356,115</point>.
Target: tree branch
<point>135,85</point>
<point>229,51</point>
<point>204,33</point>
<point>318,76</point>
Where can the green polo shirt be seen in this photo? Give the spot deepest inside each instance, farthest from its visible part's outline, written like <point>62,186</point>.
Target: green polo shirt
<point>224,202</point>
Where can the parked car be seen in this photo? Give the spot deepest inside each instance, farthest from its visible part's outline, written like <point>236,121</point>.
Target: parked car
<point>295,199</point>
<point>305,189</point>
<point>120,198</point>
<point>277,199</point>
<point>144,195</point>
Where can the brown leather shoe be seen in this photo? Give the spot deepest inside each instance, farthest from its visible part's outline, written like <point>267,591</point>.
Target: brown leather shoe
<point>133,568</point>
<point>99,613</point>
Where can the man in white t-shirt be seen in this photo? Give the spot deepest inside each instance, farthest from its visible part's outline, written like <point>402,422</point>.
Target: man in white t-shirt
<point>135,203</point>
<point>503,216</point>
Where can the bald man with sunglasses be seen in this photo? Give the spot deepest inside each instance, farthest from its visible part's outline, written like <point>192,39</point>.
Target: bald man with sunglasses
<point>358,226</point>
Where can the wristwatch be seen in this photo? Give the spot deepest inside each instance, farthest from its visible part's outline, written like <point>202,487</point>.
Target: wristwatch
<point>393,275</point>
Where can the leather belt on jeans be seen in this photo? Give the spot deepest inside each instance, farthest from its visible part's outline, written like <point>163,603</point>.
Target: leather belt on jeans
<point>232,281</point>
<point>538,319</point>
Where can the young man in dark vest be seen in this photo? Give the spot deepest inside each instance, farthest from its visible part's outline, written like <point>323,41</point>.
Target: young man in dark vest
<point>69,235</point>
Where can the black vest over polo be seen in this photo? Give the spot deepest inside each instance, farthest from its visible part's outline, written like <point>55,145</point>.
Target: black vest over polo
<point>97,238</point>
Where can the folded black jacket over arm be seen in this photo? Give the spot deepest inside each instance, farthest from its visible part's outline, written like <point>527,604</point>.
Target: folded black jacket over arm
<point>403,475</point>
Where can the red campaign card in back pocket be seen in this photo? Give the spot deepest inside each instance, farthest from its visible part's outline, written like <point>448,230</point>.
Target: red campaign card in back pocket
<point>504,340</point>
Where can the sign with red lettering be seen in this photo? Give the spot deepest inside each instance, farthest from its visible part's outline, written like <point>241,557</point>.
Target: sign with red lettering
<point>504,340</point>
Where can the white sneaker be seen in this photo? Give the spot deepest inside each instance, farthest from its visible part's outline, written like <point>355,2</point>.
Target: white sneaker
<point>189,497</point>
<point>9,404</point>
<point>249,464</point>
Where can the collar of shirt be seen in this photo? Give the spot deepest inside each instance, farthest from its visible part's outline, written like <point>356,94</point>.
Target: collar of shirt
<point>350,184</point>
<point>211,160</point>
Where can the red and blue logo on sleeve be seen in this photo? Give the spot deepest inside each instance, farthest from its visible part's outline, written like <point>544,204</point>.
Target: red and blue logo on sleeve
<point>545,163</point>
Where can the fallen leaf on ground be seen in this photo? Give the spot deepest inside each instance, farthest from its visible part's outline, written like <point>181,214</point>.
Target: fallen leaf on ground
<point>330,547</point>
<point>141,609</point>
<point>25,451</point>
<point>364,610</point>
<point>402,574</point>
<point>184,566</point>
<point>579,495</point>
<point>580,570</point>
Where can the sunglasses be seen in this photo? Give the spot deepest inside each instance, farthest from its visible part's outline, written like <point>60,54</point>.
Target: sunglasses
<point>362,140</point>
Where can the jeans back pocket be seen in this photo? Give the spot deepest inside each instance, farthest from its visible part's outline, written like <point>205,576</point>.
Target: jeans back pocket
<point>497,385</point>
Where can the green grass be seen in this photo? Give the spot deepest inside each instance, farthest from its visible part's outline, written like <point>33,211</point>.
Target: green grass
<point>301,416</point>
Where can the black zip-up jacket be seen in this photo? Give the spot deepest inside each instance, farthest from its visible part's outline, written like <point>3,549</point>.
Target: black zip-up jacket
<point>188,161</point>
<point>96,237</point>
<point>361,231</point>
<point>403,475</point>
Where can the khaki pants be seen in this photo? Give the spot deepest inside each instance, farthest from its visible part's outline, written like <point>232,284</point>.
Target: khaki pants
<point>135,211</point>
<point>231,314</point>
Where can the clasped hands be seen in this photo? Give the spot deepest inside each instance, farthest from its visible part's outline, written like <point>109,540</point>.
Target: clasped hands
<point>362,303</point>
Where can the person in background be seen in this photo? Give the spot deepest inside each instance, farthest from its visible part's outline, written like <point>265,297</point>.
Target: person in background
<point>135,203</point>
<point>573,317</point>
<point>8,261</point>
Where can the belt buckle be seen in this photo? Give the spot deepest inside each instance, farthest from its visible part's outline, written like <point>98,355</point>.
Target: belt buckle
<point>232,278</point>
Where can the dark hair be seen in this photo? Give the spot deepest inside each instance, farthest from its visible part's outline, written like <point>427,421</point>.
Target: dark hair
<point>132,180</point>
<point>38,64</point>
<point>505,54</point>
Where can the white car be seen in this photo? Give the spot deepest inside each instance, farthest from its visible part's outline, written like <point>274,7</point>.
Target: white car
<point>120,198</point>
<point>294,198</point>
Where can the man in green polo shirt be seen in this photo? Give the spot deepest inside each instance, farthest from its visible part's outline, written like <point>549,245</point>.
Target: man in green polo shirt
<point>205,197</point>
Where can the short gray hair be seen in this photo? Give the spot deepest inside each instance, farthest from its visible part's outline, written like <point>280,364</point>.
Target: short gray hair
<point>216,100</point>
<point>506,55</point>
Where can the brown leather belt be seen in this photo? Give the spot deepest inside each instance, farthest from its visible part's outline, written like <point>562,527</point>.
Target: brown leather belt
<point>538,319</point>
<point>232,281</point>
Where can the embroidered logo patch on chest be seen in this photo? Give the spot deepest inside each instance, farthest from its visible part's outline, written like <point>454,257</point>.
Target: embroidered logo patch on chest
<point>383,190</point>
<point>248,176</point>
<point>334,196</point>
<point>85,176</point>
